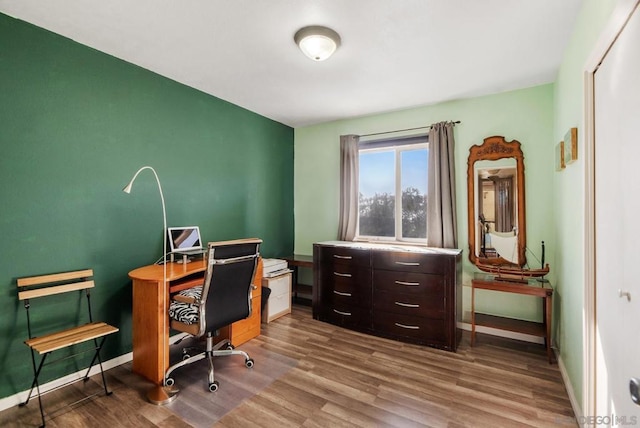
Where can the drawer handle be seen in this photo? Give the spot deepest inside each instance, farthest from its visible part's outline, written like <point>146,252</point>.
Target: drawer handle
<point>346,275</point>
<point>410,327</point>
<point>342,257</point>
<point>413,284</point>
<point>342,313</point>
<point>407,305</point>
<point>342,294</point>
<point>408,263</point>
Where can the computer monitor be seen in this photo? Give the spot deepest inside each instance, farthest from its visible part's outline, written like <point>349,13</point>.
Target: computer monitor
<point>184,239</point>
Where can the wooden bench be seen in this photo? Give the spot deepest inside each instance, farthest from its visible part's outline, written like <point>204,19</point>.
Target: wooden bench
<point>48,285</point>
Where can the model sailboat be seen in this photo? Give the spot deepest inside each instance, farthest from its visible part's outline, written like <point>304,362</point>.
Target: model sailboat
<point>506,245</point>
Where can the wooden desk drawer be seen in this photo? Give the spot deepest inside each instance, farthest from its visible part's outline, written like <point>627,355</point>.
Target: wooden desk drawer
<point>248,328</point>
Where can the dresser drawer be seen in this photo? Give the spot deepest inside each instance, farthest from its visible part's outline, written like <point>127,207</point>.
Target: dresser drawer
<point>345,278</point>
<point>347,299</point>
<point>342,255</point>
<point>348,316</point>
<point>347,285</point>
<point>426,306</point>
<point>410,262</point>
<point>420,330</point>
<point>407,282</point>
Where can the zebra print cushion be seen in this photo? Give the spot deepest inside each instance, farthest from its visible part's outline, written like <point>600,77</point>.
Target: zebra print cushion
<point>186,312</point>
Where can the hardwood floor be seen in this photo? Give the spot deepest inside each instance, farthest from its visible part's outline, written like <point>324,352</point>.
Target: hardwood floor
<point>335,378</point>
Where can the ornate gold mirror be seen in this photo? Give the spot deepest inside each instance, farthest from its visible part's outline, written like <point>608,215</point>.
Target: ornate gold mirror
<point>495,203</point>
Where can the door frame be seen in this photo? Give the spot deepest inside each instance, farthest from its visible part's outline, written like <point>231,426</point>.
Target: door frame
<point>619,18</point>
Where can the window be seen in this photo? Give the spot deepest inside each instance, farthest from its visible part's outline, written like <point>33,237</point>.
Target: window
<point>392,202</point>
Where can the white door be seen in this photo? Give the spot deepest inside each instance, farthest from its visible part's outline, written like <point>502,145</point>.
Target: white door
<point>617,226</point>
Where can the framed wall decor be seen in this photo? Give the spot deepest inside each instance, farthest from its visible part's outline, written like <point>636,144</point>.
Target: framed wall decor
<point>571,146</point>
<point>560,156</point>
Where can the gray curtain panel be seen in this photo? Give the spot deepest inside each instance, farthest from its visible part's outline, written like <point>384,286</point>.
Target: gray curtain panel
<point>504,204</point>
<point>441,188</point>
<point>348,187</point>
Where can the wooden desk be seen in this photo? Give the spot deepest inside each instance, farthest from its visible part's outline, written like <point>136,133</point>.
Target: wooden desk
<point>294,262</point>
<point>532,288</point>
<point>150,321</point>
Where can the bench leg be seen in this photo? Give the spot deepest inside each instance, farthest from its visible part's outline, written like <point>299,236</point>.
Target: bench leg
<point>34,384</point>
<point>97,356</point>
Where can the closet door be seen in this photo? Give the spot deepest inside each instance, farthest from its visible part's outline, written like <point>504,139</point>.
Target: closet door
<point>617,221</point>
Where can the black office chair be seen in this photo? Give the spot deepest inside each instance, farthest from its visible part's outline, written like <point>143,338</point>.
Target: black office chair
<point>224,299</point>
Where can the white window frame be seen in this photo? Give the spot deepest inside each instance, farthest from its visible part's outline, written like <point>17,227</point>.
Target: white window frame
<point>397,149</point>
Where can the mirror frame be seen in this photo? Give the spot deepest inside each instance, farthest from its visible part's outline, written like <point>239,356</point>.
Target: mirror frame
<point>494,148</point>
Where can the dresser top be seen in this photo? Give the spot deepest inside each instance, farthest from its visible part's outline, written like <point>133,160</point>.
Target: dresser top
<point>391,247</point>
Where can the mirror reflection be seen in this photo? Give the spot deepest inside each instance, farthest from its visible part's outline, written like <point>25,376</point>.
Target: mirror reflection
<point>496,207</point>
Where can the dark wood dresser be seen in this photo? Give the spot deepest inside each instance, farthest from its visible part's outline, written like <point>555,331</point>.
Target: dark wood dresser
<point>407,293</point>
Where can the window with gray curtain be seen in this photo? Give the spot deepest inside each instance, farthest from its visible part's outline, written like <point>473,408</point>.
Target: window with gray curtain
<point>398,189</point>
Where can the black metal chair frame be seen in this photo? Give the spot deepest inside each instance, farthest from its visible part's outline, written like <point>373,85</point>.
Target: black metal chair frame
<point>45,345</point>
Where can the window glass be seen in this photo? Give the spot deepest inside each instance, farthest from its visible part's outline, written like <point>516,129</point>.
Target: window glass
<point>377,193</point>
<point>393,191</point>
<point>414,193</point>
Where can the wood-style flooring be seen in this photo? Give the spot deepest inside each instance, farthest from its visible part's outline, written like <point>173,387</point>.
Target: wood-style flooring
<point>326,376</point>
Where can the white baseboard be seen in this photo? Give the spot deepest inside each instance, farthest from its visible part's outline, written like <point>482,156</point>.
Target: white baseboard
<point>577,410</point>
<point>20,397</point>
<point>502,333</point>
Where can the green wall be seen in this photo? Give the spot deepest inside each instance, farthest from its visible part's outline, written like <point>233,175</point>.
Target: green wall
<point>75,125</point>
<point>569,189</point>
<point>525,115</point>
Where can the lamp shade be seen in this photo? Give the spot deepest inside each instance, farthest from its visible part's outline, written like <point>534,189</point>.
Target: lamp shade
<point>316,42</point>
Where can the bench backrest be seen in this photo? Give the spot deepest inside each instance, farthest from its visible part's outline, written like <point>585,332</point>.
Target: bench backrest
<point>52,284</point>
<point>47,285</point>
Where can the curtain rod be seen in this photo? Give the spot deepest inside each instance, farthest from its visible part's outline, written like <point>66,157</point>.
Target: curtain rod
<point>402,130</point>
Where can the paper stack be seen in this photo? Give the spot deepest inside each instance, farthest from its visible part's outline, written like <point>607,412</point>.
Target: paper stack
<point>274,267</point>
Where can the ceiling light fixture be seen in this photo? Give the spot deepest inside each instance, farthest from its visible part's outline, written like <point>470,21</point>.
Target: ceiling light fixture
<point>316,42</point>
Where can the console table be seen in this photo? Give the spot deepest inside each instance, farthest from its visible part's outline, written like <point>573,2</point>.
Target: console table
<point>294,262</point>
<point>532,287</point>
<point>150,320</point>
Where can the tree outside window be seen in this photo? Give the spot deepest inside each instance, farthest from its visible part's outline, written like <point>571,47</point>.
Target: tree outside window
<point>393,192</point>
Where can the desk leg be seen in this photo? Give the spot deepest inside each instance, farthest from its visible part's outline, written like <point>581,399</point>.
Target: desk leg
<point>150,343</point>
<point>294,282</point>
<point>473,315</point>
<point>548,305</point>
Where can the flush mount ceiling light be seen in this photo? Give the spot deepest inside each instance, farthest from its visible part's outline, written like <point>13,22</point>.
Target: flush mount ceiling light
<point>316,42</point>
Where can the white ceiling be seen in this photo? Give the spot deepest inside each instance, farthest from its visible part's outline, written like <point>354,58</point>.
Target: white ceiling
<point>395,54</point>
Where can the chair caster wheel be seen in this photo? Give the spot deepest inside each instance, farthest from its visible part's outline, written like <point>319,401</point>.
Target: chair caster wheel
<point>186,357</point>
<point>213,387</point>
<point>249,363</point>
<point>230,347</point>
<point>169,381</point>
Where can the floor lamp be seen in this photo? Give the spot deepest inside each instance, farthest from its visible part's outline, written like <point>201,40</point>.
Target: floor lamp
<point>160,394</point>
